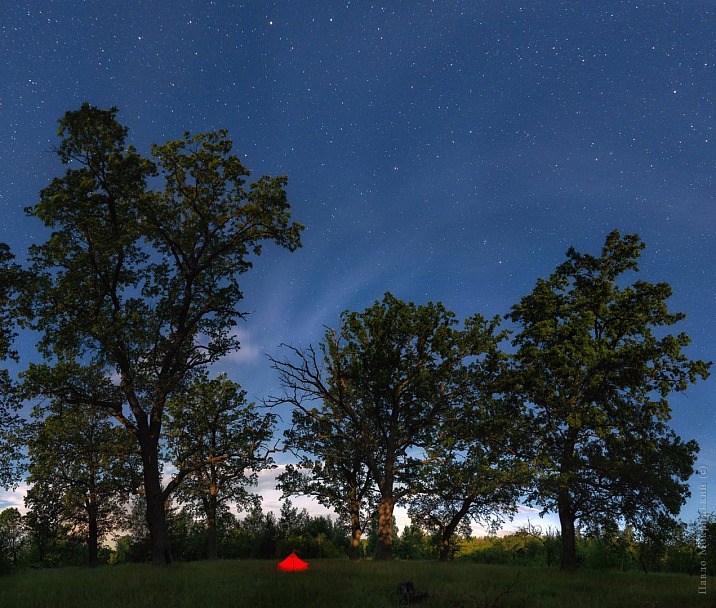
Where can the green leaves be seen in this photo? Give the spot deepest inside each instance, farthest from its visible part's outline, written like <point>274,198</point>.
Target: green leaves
<point>142,284</point>
<point>388,380</point>
<point>12,280</point>
<point>594,374</point>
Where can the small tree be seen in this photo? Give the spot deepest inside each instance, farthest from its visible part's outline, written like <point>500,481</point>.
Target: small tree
<point>218,442</point>
<point>594,369</point>
<point>12,533</point>
<point>549,539</point>
<point>330,469</point>
<point>476,468</point>
<point>461,488</point>
<point>86,464</point>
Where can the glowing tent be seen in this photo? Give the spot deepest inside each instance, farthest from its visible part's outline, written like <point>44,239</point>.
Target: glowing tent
<point>292,564</point>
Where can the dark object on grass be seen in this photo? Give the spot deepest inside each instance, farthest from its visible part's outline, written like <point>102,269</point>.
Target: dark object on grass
<point>408,595</point>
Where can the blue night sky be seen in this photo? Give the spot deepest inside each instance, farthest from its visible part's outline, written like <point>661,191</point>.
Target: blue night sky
<point>446,151</point>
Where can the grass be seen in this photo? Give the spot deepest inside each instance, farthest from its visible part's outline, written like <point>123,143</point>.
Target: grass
<point>338,583</point>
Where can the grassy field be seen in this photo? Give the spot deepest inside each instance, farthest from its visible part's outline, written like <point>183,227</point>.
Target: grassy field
<point>338,583</point>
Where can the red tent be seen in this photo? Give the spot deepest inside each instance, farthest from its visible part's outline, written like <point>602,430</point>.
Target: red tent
<point>292,564</point>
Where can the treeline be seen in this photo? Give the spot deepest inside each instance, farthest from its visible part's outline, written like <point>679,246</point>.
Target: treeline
<point>263,535</point>
<point>256,535</point>
<point>686,549</point>
<point>562,404</point>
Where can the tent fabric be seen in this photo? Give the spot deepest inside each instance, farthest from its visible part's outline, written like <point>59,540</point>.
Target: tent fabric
<point>292,564</point>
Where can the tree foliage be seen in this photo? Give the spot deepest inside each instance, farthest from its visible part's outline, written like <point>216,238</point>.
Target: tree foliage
<point>12,533</point>
<point>139,287</point>
<point>330,469</point>
<point>219,442</point>
<point>383,384</point>
<point>87,465</point>
<point>11,277</point>
<point>595,367</point>
<point>462,487</point>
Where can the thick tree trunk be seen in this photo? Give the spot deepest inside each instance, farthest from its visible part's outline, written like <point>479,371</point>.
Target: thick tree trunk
<point>444,548</point>
<point>156,514</point>
<point>447,532</point>
<point>384,546</point>
<point>356,532</point>
<point>569,536</point>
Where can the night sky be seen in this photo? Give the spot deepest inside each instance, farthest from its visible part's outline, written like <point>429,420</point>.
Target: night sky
<point>443,151</point>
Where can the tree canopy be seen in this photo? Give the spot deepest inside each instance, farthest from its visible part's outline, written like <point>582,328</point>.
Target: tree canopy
<point>137,287</point>
<point>218,442</point>
<point>594,367</point>
<point>387,380</point>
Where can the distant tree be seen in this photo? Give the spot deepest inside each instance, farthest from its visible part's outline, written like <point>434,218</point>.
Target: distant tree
<point>12,533</point>
<point>414,544</point>
<point>594,368</point>
<point>291,521</point>
<point>383,383</point>
<point>51,540</point>
<point>140,287</point>
<point>694,542</point>
<point>84,462</point>
<point>260,531</point>
<point>653,539</point>
<point>548,539</point>
<point>218,442</point>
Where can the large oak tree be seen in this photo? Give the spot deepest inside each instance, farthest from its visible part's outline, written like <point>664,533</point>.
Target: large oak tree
<point>595,365</point>
<point>388,378</point>
<point>138,282</point>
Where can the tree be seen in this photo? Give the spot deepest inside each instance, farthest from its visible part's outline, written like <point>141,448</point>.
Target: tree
<point>477,469</point>
<point>139,288</point>
<point>594,368</point>
<point>261,533</point>
<point>12,533</point>
<point>10,455</point>
<point>386,380</point>
<point>330,469</point>
<point>223,440</point>
<point>460,487</point>
<point>43,522</point>
<point>85,463</point>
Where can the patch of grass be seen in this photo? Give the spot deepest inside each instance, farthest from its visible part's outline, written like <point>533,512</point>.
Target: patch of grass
<point>339,583</point>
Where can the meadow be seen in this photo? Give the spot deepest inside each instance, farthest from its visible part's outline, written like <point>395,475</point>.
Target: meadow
<point>339,583</point>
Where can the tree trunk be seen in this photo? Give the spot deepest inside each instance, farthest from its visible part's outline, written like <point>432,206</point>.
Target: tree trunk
<point>569,536</point>
<point>446,532</point>
<point>156,514</point>
<point>384,546</point>
<point>444,548</point>
<point>356,532</point>
<point>211,540</point>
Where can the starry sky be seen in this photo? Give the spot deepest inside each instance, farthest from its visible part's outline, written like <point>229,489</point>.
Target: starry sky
<point>447,151</point>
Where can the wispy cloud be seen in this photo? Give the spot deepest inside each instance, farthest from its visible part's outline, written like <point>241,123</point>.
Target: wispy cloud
<point>14,498</point>
<point>250,352</point>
